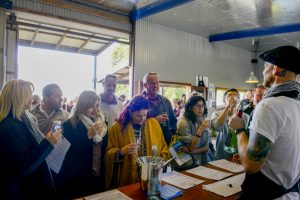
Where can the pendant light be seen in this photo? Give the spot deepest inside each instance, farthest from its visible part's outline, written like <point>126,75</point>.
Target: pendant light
<point>253,78</point>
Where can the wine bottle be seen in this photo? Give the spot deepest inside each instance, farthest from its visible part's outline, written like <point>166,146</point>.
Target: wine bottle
<point>200,82</point>
<point>153,171</point>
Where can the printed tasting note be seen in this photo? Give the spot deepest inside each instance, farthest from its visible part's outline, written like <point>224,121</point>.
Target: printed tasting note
<point>209,173</point>
<point>180,180</point>
<point>230,166</point>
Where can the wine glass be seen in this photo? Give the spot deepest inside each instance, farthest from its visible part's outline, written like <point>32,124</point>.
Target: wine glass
<point>100,123</point>
<point>56,126</point>
<point>165,122</point>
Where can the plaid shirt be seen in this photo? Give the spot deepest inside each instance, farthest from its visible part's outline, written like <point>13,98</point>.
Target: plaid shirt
<point>97,158</point>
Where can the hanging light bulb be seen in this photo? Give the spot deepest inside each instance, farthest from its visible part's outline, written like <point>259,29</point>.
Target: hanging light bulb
<point>252,79</point>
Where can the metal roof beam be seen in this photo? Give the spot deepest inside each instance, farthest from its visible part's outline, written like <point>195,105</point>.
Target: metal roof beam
<point>122,76</point>
<point>63,37</point>
<point>104,48</point>
<point>98,6</point>
<point>156,7</point>
<point>83,45</point>
<point>255,32</point>
<point>6,4</point>
<point>34,37</point>
<point>52,47</point>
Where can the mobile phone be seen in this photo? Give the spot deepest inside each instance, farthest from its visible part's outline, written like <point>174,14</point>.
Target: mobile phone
<point>56,126</point>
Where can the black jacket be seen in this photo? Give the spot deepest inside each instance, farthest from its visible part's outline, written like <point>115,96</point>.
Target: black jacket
<point>24,173</point>
<point>76,178</point>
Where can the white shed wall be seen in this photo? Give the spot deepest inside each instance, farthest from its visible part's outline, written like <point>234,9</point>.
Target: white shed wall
<point>178,56</point>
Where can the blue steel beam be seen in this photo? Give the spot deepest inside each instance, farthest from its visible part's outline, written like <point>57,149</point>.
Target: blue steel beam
<point>255,32</point>
<point>7,4</point>
<point>156,7</point>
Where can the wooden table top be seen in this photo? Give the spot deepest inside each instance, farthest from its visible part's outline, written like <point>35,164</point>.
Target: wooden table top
<point>134,191</point>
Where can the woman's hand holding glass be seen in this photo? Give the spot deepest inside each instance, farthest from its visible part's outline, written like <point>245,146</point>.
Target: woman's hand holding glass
<point>130,149</point>
<point>96,128</point>
<point>204,125</point>
<point>53,138</point>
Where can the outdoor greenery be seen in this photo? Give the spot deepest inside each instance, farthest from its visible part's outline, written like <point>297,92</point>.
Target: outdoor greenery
<point>120,54</point>
<point>122,89</point>
<point>173,92</point>
<point>169,92</point>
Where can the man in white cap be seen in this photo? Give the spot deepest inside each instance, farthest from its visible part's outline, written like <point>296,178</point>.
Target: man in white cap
<point>271,154</point>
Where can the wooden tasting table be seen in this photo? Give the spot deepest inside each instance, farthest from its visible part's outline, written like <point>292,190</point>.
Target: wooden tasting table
<point>134,191</point>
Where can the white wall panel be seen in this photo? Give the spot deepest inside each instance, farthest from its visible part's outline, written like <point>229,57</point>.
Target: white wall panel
<point>2,47</point>
<point>12,53</point>
<point>178,56</point>
<point>47,9</point>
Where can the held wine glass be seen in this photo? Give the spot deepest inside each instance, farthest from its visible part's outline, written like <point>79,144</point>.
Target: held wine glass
<point>166,115</point>
<point>138,141</point>
<point>56,126</point>
<point>99,134</point>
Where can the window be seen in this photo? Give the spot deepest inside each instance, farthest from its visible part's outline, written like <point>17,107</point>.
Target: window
<point>173,90</point>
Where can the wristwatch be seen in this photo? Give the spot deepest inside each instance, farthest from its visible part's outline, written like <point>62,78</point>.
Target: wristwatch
<point>239,130</point>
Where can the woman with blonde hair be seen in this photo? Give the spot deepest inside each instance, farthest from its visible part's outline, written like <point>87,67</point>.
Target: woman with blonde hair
<point>82,170</point>
<point>130,136</point>
<point>24,173</point>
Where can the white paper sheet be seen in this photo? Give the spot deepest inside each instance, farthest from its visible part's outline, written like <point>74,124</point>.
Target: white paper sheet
<point>57,155</point>
<point>230,166</point>
<point>226,187</point>
<point>109,195</point>
<point>180,180</point>
<point>209,173</point>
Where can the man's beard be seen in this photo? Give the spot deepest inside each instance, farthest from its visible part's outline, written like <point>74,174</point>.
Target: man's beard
<point>269,81</point>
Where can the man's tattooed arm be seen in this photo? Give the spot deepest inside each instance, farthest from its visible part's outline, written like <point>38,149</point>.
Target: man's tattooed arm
<point>258,147</point>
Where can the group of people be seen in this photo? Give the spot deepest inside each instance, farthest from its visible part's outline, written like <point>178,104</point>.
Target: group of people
<point>106,136</point>
<point>90,165</point>
<point>178,105</point>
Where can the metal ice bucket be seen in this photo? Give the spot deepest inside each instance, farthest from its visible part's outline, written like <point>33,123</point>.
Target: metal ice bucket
<point>143,167</point>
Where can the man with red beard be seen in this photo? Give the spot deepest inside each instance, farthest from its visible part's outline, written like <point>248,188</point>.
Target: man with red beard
<point>271,154</point>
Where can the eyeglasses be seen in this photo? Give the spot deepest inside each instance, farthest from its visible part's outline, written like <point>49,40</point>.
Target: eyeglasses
<point>199,105</point>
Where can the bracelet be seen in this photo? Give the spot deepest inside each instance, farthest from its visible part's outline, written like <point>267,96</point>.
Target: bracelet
<point>197,135</point>
<point>239,130</point>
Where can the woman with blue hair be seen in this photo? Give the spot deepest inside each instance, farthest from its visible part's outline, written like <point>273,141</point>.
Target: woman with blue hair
<point>132,135</point>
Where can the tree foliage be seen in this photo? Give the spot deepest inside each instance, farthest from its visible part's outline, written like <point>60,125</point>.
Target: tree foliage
<point>122,89</point>
<point>173,93</point>
<point>120,54</point>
